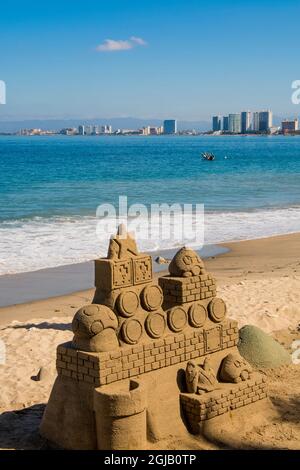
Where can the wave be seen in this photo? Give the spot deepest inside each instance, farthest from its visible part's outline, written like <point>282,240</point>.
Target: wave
<point>38,243</point>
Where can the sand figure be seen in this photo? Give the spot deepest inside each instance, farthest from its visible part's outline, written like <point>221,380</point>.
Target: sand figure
<point>235,369</point>
<point>122,245</point>
<point>200,378</point>
<point>191,376</point>
<point>186,263</point>
<point>94,328</point>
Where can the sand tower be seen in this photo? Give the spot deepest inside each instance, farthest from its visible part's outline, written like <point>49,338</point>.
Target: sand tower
<point>149,358</point>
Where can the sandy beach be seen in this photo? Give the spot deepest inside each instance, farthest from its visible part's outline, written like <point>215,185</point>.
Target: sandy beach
<point>258,279</point>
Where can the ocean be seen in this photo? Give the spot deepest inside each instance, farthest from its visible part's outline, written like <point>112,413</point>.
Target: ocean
<point>50,188</point>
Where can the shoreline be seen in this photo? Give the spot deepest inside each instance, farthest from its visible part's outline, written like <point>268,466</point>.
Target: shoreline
<point>62,280</point>
<point>249,260</point>
<point>30,286</point>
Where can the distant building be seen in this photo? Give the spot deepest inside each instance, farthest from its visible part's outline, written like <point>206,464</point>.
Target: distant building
<point>88,130</point>
<point>128,132</point>
<point>145,130</point>
<point>81,130</point>
<point>225,123</point>
<point>31,131</point>
<point>95,130</point>
<point>289,126</point>
<point>216,123</point>
<point>265,120</point>
<point>234,123</point>
<point>245,122</point>
<point>106,129</point>
<point>170,126</point>
<point>68,131</point>
<point>151,130</point>
<point>255,122</point>
<point>156,130</point>
<point>274,130</point>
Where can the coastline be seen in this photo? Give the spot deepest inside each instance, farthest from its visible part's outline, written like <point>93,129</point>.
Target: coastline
<point>64,280</point>
<point>253,260</point>
<point>30,286</point>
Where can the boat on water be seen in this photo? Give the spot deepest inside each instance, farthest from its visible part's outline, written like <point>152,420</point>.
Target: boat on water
<point>208,156</point>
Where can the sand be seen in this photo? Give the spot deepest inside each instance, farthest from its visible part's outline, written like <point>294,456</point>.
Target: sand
<point>260,282</point>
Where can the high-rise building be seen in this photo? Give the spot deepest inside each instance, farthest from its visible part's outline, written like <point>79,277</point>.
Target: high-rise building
<point>216,123</point>
<point>245,121</point>
<point>225,123</point>
<point>81,130</point>
<point>234,123</point>
<point>289,126</point>
<point>65,131</point>
<point>145,130</point>
<point>88,130</point>
<point>95,130</point>
<point>255,122</point>
<point>155,130</point>
<point>170,126</point>
<point>106,129</point>
<point>265,120</point>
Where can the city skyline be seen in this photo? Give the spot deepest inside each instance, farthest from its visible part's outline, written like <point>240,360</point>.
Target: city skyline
<point>245,122</point>
<point>115,61</point>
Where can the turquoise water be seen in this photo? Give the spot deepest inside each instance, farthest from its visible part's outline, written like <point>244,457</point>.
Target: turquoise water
<point>50,188</point>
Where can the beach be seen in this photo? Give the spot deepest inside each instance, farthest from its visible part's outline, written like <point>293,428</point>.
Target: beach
<point>149,229</point>
<point>258,279</point>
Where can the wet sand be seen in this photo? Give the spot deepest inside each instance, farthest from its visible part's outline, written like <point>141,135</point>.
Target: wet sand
<point>62,280</point>
<point>252,260</point>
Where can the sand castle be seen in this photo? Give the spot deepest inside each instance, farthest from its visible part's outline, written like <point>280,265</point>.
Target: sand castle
<point>149,359</point>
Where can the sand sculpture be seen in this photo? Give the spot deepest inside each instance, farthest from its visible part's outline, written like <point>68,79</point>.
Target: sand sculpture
<point>200,379</point>
<point>149,359</point>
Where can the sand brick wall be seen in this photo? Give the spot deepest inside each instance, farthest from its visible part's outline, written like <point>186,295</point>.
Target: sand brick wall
<point>202,407</point>
<point>129,361</point>
<point>188,289</point>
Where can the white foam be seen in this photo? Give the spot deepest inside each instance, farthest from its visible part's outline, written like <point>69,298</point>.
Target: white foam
<point>39,243</point>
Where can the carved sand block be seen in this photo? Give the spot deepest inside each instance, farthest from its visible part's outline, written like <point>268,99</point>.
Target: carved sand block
<point>124,282</point>
<point>119,375</point>
<point>219,395</point>
<point>207,406</point>
<point>235,369</point>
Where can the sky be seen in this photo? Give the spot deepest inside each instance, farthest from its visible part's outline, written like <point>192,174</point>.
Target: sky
<point>185,59</point>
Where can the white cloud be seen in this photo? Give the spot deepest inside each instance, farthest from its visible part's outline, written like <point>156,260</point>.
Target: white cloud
<point>112,45</point>
<point>138,41</point>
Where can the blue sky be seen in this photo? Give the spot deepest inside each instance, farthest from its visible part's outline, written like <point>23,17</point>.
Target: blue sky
<point>198,60</point>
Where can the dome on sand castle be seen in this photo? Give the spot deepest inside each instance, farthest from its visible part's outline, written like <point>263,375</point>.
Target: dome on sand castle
<point>94,328</point>
<point>186,263</point>
<point>260,349</point>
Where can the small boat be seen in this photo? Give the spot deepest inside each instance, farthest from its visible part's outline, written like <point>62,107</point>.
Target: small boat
<point>208,156</point>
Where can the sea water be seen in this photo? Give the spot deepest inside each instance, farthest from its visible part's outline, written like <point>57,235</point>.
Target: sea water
<point>50,188</point>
